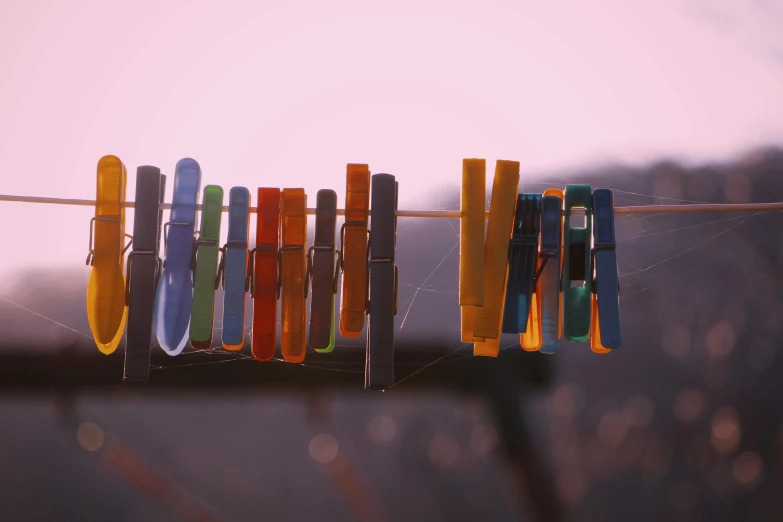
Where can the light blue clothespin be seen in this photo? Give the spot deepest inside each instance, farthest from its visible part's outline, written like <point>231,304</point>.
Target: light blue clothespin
<point>233,269</point>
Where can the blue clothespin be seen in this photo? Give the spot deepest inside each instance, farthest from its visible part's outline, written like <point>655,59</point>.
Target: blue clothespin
<point>174,297</point>
<point>522,257</point>
<point>606,311</point>
<point>233,269</point>
<point>549,271</point>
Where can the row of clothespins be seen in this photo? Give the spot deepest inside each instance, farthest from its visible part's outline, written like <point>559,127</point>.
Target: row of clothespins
<point>536,273</point>
<point>516,279</point>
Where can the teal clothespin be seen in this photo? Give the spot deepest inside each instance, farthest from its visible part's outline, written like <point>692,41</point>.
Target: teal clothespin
<point>577,265</point>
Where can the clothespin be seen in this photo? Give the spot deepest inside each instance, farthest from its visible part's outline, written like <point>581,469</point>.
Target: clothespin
<point>142,272</point>
<point>204,265</point>
<point>323,266</point>
<point>174,297</point>
<point>293,266</point>
<point>501,219</point>
<point>551,261</point>
<point>233,268</point>
<point>106,310</point>
<point>263,275</point>
<point>471,244</point>
<point>577,264</point>
<point>522,263</point>
<point>606,334</point>
<point>353,250</point>
<point>382,284</point>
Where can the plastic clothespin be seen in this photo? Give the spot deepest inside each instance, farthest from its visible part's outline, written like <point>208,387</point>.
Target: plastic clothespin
<point>522,263</point>
<point>471,244</point>
<point>106,310</point>
<point>382,284</point>
<point>233,268</point>
<point>142,272</point>
<point>205,264</point>
<point>263,275</point>
<point>551,261</point>
<point>174,297</point>
<point>323,267</point>
<point>501,220</point>
<point>577,265</point>
<point>293,266</point>
<point>606,334</point>
<point>353,250</point>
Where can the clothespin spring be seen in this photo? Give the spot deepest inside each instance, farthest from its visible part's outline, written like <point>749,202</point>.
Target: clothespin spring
<point>220,278</point>
<point>280,266</point>
<point>337,266</point>
<point>371,261</point>
<point>128,272</point>
<point>250,280</point>
<point>91,254</point>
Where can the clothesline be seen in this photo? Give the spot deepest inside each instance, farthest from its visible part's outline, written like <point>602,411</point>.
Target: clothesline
<point>454,214</point>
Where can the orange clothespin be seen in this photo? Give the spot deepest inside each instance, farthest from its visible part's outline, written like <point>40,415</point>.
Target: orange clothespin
<point>106,311</point>
<point>293,267</point>
<point>501,220</point>
<point>353,248</point>
<point>264,276</point>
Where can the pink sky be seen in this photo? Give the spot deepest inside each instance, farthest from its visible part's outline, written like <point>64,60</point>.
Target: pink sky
<point>285,94</point>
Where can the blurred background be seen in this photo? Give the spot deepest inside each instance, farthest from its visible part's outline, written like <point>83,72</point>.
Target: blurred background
<point>664,102</point>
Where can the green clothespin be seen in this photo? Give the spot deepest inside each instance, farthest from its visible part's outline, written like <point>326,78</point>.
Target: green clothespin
<point>204,266</point>
<point>576,265</point>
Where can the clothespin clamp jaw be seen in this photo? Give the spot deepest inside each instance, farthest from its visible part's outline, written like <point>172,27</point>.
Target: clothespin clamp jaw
<point>577,265</point>
<point>522,263</point>
<point>382,284</point>
<point>605,309</point>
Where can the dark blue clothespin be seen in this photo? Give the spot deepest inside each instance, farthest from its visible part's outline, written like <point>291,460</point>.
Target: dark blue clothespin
<point>606,310</point>
<point>522,257</point>
<point>143,268</point>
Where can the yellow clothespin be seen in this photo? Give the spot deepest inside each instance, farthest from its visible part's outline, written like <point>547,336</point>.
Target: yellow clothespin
<point>471,245</point>
<point>106,311</point>
<point>293,267</point>
<point>501,220</point>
